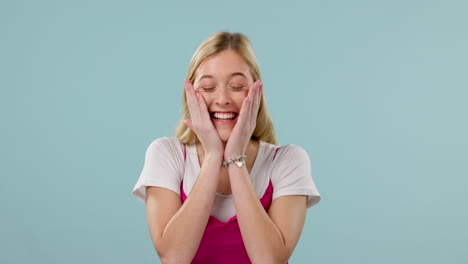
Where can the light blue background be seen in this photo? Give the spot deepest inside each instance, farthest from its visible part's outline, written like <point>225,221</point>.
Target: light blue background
<point>375,91</point>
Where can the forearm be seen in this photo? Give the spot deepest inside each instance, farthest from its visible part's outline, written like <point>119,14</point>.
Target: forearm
<point>262,238</point>
<point>183,233</point>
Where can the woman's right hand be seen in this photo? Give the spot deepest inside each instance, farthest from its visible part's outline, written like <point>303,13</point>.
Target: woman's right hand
<point>201,122</point>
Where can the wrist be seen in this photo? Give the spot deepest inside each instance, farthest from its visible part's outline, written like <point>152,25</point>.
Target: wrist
<point>233,154</point>
<point>238,161</point>
<point>213,157</point>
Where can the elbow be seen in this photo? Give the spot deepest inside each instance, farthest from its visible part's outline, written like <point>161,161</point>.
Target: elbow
<point>171,260</point>
<point>169,253</point>
<point>270,261</point>
<point>172,257</point>
<point>271,258</point>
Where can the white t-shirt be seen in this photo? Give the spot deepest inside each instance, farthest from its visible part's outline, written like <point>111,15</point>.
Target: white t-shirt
<point>289,172</point>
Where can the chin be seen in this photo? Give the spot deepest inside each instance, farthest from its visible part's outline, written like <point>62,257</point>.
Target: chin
<point>224,135</point>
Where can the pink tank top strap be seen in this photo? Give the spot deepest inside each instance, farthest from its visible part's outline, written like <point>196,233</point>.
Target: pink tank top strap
<point>276,152</point>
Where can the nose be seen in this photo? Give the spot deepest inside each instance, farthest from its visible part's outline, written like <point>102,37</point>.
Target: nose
<point>222,96</point>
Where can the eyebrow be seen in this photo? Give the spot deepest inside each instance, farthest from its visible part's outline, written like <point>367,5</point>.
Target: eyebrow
<point>232,75</point>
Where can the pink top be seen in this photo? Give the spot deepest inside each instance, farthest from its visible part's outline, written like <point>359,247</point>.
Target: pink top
<point>172,165</point>
<point>222,242</point>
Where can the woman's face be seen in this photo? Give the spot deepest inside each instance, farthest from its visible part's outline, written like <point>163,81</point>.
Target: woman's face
<point>224,81</point>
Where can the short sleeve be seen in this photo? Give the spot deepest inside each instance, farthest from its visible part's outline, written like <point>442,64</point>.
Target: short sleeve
<point>163,167</point>
<point>291,174</point>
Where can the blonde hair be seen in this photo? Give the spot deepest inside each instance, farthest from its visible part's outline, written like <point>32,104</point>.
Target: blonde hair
<point>215,44</point>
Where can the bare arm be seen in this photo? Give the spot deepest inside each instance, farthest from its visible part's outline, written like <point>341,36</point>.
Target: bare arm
<point>176,230</point>
<point>268,237</point>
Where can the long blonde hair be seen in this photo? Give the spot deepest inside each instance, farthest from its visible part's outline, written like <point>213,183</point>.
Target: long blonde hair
<point>215,44</point>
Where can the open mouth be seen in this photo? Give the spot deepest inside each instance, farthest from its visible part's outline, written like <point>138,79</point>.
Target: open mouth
<point>224,117</point>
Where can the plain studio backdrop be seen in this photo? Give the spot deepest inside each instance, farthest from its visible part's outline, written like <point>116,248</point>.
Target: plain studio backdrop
<point>374,91</point>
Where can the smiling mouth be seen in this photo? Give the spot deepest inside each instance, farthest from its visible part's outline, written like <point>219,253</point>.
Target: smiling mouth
<point>224,116</point>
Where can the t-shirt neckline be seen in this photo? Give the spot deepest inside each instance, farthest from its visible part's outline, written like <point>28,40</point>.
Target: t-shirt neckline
<point>252,171</point>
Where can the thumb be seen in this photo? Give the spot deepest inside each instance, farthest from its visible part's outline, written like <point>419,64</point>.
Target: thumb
<point>188,122</point>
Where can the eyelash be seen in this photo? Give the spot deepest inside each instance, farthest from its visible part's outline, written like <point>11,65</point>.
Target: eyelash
<point>209,89</point>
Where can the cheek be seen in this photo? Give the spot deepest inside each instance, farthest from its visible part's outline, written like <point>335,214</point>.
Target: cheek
<point>240,96</point>
<point>207,97</point>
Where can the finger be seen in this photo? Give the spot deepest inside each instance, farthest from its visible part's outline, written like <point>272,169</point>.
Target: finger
<point>243,113</point>
<point>248,112</point>
<point>188,123</point>
<point>188,92</point>
<point>253,95</point>
<point>192,101</point>
<point>253,107</point>
<point>258,99</point>
<point>252,89</point>
<point>202,106</point>
<point>253,100</point>
<point>256,105</point>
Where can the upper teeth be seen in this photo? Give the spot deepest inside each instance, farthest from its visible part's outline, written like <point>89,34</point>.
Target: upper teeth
<point>223,115</point>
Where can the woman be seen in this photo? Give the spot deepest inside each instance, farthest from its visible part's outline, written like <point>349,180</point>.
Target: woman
<point>222,191</point>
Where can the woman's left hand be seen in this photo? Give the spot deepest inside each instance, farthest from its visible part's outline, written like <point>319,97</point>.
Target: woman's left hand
<point>246,123</point>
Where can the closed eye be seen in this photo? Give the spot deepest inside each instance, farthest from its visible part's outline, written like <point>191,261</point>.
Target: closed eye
<point>237,87</point>
<point>208,89</point>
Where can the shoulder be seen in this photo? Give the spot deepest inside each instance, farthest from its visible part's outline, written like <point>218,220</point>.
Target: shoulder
<point>286,153</point>
<point>166,141</point>
<point>291,173</point>
<point>290,159</point>
<point>166,145</point>
<point>292,152</point>
<point>163,167</point>
<point>292,149</point>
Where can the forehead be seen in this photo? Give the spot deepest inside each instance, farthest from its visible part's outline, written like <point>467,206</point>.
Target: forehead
<point>222,65</point>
